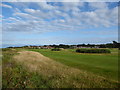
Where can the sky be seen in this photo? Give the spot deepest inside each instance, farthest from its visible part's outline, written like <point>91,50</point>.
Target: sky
<point>44,23</point>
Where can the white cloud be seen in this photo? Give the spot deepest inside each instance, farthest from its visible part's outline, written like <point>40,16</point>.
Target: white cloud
<point>98,5</point>
<point>70,17</point>
<point>67,6</point>
<point>60,0</point>
<point>6,6</point>
<point>46,6</point>
<point>40,14</point>
<point>25,16</point>
<point>1,16</point>
<point>58,18</point>
<point>30,10</point>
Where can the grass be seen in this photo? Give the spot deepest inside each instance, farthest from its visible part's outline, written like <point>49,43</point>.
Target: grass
<point>14,75</point>
<point>71,72</point>
<point>0,68</point>
<point>101,64</point>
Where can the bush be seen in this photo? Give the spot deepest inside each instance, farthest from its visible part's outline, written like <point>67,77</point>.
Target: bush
<point>93,51</point>
<point>55,49</point>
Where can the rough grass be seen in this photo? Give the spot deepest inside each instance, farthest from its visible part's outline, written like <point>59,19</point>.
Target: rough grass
<point>60,75</point>
<point>32,70</point>
<point>14,75</point>
<point>0,68</point>
<point>105,65</point>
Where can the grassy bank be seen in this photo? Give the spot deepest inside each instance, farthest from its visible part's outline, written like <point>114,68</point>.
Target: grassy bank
<point>15,75</point>
<point>32,70</point>
<point>101,64</point>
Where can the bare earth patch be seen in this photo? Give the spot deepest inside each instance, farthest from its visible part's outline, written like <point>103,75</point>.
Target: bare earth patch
<point>60,75</point>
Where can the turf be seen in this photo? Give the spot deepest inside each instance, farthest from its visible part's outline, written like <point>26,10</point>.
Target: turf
<point>18,75</point>
<point>105,65</point>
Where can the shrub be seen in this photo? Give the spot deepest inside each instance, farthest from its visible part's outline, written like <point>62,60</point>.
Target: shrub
<point>55,49</point>
<point>93,50</point>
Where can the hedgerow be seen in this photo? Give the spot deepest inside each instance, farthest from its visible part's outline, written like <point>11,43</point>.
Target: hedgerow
<point>93,50</point>
<point>55,49</point>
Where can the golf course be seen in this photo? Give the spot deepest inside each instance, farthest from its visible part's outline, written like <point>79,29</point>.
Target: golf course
<point>44,68</point>
<point>55,44</point>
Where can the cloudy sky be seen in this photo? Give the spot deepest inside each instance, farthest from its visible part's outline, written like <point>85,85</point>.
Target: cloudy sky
<point>39,23</point>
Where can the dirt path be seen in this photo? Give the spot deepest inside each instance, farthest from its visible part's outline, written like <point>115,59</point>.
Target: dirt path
<point>59,74</point>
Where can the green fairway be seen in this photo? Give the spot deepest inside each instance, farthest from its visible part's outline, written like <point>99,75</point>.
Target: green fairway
<point>105,65</point>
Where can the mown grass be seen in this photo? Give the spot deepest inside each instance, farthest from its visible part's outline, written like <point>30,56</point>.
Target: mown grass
<point>101,64</point>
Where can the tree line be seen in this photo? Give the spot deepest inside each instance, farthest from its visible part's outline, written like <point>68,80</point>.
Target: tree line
<point>114,44</point>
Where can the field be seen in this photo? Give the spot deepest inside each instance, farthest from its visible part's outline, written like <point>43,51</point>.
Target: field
<point>43,68</point>
<point>103,64</point>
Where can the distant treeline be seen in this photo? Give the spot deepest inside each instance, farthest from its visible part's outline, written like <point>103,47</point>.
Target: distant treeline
<point>108,45</point>
<point>114,44</point>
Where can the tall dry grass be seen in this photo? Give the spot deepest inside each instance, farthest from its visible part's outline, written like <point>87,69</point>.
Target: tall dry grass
<point>58,75</point>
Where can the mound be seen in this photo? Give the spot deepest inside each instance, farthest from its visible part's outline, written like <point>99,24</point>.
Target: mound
<point>58,74</point>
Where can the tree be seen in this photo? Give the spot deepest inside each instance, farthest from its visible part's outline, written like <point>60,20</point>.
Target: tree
<point>114,42</point>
